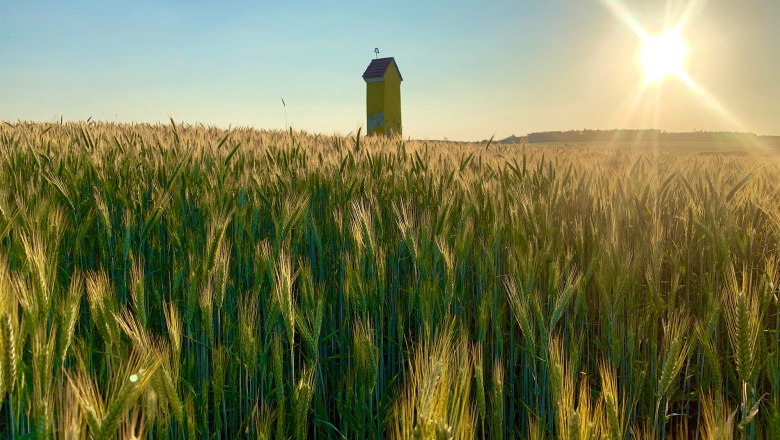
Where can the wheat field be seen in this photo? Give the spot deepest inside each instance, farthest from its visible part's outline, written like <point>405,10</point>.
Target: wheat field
<point>181,281</point>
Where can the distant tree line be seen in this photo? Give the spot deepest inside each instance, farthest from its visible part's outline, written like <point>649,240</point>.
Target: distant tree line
<point>643,135</point>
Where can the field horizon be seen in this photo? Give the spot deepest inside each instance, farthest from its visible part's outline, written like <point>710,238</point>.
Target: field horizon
<point>696,141</point>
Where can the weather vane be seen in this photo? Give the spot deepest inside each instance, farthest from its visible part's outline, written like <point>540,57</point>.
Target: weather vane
<point>376,52</point>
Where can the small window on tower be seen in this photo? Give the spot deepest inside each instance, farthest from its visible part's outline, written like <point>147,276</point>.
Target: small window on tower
<point>376,120</point>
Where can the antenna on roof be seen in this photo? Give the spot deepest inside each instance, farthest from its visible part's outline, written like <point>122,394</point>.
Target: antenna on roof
<point>376,52</point>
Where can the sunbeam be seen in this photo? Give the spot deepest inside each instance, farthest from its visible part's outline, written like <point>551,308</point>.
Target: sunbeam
<point>622,13</point>
<point>664,56</point>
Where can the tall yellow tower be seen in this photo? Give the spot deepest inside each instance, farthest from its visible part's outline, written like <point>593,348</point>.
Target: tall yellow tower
<point>383,96</point>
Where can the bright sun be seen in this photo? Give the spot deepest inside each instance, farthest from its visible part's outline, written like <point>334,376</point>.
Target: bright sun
<point>662,56</point>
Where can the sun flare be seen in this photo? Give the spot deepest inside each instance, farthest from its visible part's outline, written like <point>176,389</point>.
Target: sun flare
<point>662,56</point>
<point>665,56</point>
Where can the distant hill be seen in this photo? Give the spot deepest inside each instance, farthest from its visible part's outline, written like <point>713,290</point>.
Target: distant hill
<point>510,140</point>
<point>645,135</point>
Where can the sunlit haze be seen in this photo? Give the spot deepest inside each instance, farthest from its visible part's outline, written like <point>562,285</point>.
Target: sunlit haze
<point>471,70</point>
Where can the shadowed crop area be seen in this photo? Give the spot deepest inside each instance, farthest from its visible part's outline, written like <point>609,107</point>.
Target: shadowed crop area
<point>173,282</point>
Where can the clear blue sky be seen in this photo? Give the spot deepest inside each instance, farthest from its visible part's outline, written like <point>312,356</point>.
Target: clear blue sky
<point>471,69</point>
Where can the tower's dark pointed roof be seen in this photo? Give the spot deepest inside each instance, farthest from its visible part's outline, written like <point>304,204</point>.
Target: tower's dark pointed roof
<point>378,67</point>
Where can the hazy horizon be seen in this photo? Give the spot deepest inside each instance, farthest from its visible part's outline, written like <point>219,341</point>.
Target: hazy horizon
<point>470,71</point>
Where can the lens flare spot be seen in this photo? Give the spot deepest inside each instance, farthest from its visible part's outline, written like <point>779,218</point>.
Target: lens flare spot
<point>663,56</point>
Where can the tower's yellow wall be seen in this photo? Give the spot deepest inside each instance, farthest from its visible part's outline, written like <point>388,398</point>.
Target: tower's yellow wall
<point>392,100</point>
<point>375,105</point>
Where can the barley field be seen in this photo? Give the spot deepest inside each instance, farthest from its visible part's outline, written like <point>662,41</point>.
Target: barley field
<point>181,282</point>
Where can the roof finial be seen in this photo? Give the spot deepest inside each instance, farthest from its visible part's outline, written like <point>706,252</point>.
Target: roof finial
<point>376,52</point>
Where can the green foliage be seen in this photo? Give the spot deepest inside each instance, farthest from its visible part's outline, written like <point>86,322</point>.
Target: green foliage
<point>188,282</point>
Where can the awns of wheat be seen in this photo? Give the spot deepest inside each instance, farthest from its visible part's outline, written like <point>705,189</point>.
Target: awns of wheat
<point>182,281</point>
